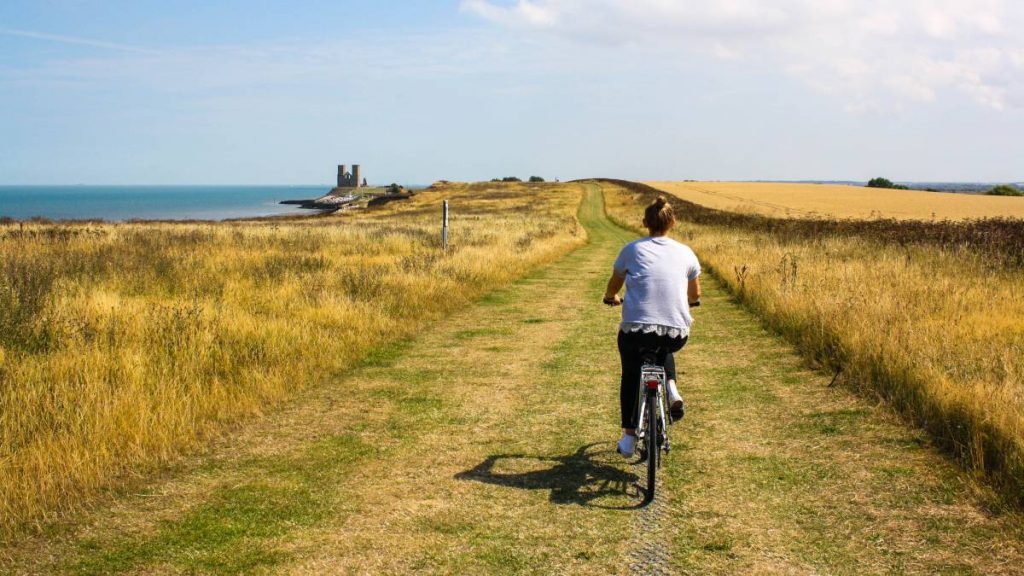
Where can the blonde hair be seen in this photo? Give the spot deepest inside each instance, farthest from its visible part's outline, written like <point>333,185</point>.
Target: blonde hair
<point>659,216</point>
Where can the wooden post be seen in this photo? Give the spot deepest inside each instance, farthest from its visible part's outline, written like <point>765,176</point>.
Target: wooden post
<point>444,226</point>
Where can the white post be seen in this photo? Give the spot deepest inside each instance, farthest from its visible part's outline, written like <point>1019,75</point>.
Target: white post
<point>444,226</point>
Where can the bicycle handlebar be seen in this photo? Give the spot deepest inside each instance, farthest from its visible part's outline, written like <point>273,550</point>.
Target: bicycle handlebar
<point>613,303</point>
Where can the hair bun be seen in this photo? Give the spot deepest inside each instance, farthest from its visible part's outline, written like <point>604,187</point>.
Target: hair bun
<point>659,216</point>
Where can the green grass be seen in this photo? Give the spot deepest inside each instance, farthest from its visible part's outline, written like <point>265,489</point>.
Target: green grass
<point>238,527</point>
<point>385,355</point>
<point>478,332</point>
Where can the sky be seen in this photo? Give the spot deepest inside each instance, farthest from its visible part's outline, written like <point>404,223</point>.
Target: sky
<point>280,92</point>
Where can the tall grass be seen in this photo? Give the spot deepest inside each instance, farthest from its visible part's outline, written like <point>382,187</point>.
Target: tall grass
<point>123,345</point>
<point>936,327</point>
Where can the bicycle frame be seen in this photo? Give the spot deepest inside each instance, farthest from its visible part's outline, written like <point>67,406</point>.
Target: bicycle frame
<point>653,382</point>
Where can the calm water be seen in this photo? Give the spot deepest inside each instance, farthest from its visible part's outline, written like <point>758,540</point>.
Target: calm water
<point>152,202</point>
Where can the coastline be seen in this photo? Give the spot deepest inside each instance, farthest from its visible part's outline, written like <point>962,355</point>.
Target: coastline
<point>70,204</point>
<point>341,198</point>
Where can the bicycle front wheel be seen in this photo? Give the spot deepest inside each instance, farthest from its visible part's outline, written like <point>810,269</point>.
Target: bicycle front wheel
<point>651,441</point>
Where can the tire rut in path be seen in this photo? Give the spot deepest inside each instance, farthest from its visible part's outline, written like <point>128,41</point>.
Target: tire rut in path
<point>649,551</point>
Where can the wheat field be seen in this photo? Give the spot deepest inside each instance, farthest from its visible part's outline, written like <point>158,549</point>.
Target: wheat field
<point>936,330</point>
<point>123,346</point>
<point>785,200</point>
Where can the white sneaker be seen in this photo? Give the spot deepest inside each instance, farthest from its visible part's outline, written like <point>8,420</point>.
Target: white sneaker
<point>627,445</point>
<point>675,401</point>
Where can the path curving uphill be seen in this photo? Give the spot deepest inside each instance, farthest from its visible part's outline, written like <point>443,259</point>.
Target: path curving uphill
<point>486,446</point>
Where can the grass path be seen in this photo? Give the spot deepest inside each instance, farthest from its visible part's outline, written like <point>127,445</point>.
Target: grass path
<point>486,446</point>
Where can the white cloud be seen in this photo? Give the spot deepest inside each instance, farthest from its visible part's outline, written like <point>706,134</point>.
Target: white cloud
<point>525,12</point>
<point>869,52</point>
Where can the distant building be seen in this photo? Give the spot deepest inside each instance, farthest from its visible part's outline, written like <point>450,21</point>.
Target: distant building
<point>351,179</point>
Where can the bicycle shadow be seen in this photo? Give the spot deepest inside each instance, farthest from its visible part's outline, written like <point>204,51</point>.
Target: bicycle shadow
<point>587,477</point>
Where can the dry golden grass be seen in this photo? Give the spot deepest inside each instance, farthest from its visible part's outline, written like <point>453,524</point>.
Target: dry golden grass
<point>827,200</point>
<point>939,333</point>
<point>378,471</point>
<point>121,345</point>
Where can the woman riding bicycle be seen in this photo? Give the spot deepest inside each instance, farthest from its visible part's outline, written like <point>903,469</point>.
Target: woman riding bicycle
<point>661,279</point>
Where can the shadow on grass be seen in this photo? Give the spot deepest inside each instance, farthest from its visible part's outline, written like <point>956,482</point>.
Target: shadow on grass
<point>592,476</point>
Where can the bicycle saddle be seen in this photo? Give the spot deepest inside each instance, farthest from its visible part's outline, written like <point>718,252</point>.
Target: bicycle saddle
<point>650,355</point>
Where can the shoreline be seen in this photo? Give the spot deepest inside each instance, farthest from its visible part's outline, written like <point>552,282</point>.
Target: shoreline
<point>353,198</point>
<point>42,220</point>
<point>68,204</point>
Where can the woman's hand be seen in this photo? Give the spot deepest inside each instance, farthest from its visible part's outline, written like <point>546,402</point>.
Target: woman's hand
<point>611,293</point>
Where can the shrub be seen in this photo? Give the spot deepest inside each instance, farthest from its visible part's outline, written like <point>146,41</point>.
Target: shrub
<point>536,179</point>
<point>884,183</point>
<point>510,179</point>
<point>1005,190</point>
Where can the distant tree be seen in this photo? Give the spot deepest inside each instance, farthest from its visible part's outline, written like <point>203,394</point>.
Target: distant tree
<point>510,179</point>
<point>536,179</point>
<point>884,183</point>
<point>394,189</point>
<point>1005,190</point>
<point>495,179</point>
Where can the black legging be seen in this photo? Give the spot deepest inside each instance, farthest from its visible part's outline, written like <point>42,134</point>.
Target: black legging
<point>630,344</point>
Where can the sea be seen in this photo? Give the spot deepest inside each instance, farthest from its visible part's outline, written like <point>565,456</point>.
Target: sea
<point>119,203</point>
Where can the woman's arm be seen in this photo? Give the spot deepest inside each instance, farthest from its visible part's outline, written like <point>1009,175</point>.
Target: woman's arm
<point>611,293</point>
<point>693,291</point>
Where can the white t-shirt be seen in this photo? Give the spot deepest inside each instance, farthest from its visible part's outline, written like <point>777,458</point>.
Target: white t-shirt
<point>657,270</point>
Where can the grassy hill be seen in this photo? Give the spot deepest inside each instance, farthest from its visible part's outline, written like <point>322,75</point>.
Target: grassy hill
<point>124,345</point>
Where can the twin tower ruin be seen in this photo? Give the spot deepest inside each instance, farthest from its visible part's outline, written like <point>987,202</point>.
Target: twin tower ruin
<point>351,179</point>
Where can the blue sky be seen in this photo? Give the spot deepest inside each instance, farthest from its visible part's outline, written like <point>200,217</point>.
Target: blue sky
<point>273,92</point>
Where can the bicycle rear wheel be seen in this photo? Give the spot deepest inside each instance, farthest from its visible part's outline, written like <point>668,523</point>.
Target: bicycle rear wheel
<point>651,441</point>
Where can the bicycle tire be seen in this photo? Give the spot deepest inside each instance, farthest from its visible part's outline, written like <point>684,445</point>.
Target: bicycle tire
<point>651,439</point>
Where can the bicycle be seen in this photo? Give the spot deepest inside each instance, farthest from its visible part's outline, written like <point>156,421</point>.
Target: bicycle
<point>652,439</point>
<point>651,431</point>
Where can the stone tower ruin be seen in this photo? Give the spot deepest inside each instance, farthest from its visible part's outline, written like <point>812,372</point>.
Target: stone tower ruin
<point>351,179</point>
